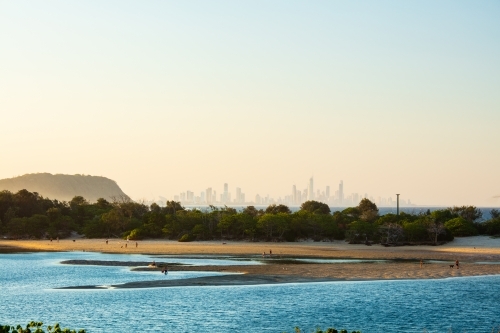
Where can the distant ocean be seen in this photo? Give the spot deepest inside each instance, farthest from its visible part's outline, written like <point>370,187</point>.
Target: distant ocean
<point>382,210</point>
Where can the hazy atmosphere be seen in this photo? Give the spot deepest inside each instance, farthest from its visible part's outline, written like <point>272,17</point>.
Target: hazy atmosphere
<point>164,97</point>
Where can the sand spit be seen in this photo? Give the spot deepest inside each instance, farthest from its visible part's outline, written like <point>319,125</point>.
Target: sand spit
<point>478,256</point>
<point>479,247</point>
<point>295,273</point>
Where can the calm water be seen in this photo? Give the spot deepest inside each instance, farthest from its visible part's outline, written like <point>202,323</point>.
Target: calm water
<point>27,282</point>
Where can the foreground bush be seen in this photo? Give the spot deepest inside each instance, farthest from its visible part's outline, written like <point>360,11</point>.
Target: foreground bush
<point>327,330</point>
<point>36,327</point>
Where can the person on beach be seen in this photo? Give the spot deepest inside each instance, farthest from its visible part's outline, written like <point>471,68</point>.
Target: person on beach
<point>106,241</point>
<point>136,244</point>
<point>165,270</point>
<point>457,263</point>
<point>270,253</point>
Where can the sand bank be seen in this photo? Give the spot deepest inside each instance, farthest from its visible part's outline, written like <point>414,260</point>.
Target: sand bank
<point>476,254</point>
<point>479,247</point>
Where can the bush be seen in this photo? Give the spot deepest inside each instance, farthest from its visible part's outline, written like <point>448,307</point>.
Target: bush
<point>492,226</point>
<point>36,327</point>
<point>186,238</point>
<point>136,234</point>
<point>460,227</point>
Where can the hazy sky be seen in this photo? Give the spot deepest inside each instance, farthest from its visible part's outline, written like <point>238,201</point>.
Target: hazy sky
<point>168,96</point>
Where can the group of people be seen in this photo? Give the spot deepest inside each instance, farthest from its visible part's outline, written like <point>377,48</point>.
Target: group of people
<point>126,244</point>
<point>270,253</point>
<point>457,264</point>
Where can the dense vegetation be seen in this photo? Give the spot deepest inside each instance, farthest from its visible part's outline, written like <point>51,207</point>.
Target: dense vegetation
<point>28,215</point>
<point>36,327</point>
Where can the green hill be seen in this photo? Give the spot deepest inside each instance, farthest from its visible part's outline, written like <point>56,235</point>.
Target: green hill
<point>64,187</point>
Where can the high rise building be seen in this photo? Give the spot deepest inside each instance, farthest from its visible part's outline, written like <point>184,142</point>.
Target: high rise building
<point>294,194</point>
<point>225,195</point>
<point>327,193</point>
<point>341,193</point>
<point>238,195</point>
<point>209,196</point>
<point>310,190</point>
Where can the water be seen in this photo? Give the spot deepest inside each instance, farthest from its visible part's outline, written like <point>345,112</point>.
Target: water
<point>27,283</point>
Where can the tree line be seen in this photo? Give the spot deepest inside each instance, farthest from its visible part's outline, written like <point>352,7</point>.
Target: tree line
<point>28,215</point>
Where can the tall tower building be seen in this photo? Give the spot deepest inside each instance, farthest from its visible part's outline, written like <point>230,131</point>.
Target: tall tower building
<point>238,195</point>
<point>294,194</point>
<point>225,196</point>
<point>310,190</point>
<point>341,193</point>
<point>327,193</point>
<point>209,196</point>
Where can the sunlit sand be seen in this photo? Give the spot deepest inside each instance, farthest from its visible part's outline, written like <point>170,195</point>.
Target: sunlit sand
<point>470,251</point>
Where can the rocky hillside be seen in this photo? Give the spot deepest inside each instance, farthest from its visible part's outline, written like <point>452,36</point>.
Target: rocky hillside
<point>64,187</point>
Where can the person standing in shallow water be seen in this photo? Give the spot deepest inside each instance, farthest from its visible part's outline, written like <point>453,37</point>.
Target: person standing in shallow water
<point>457,263</point>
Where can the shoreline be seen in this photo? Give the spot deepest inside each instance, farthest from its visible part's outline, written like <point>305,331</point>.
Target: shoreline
<point>478,256</point>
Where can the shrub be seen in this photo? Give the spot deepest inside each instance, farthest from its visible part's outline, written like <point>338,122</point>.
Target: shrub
<point>186,238</point>
<point>460,227</point>
<point>36,327</point>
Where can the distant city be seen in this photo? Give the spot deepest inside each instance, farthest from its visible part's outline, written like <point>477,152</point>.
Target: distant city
<point>295,198</point>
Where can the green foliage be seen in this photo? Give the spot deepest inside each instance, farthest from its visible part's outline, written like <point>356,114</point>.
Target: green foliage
<point>361,231</point>
<point>327,330</point>
<point>37,327</point>
<point>469,213</point>
<point>28,215</point>
<point>315,207</point>
<point>460,227</point>
<point>275,209</point>
<point>186,238</point>
<point>492,226</point>
<point>415,231</point>
<point>368,211</point>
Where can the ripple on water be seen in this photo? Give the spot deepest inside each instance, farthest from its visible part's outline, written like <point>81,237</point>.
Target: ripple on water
<point>469,304</point>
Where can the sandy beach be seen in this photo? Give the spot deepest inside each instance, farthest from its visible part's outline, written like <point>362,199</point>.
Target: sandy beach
<point>477,255</point>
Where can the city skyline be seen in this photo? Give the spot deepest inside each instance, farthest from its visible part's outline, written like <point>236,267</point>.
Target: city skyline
<point>162,97</point>
<point>294,199</point>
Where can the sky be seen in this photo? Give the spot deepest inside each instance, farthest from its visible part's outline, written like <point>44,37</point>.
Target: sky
<point>168,96</point>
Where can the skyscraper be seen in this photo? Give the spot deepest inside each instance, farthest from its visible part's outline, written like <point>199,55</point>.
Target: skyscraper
<point>341,192</point>
<point>209,196</point>
<point>225,196</point>
<point>294,194</point>
<point>327,193</point>
<point>238,195</point>
<point>310,190</point>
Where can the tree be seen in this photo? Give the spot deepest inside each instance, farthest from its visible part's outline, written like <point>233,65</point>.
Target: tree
<point>415,231</point>
<point>495,213</point>
<point>252,211</point>
<point>274,224</point>
<point>275,209</point>
<point>114,220</point>
<point>315,207</point>
<point>469,213</point>
<point>368,211</point>
<point>392,232</point>
<point>360,231</point>
<point>460,227</point>
<point>435,229</point>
